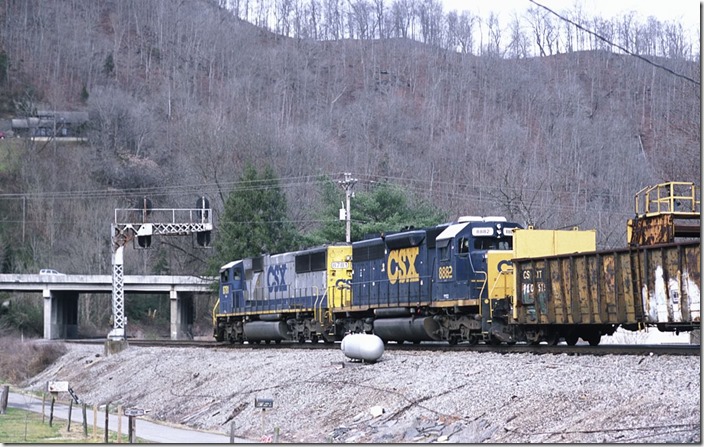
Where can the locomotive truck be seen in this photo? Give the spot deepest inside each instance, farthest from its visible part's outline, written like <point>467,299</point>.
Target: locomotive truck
<point>477,279</point>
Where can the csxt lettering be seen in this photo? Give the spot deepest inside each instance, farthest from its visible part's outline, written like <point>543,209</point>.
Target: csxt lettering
<point>401,265</point>
<point>276,278</point>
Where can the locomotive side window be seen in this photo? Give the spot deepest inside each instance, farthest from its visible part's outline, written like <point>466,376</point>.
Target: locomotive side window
<point>492,244</point>
<point>463,246</point>
<point>444,249</point>
<point>236,275</point>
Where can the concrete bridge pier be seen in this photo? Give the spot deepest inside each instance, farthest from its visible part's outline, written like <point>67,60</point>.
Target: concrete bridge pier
<point>60,314</point>
<point>181,315</point>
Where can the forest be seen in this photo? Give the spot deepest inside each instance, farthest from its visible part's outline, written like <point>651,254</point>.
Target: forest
<point>552,121</point>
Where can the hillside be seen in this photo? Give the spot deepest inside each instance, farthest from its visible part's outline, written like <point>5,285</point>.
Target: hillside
<point>182,95</point>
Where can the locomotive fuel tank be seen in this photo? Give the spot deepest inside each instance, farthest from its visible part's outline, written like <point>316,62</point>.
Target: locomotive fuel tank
<point>366,347</point>
<point>266,330</point>
<point>407,329</point>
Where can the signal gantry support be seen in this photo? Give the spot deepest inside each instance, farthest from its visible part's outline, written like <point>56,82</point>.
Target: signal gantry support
<point>142,224</point>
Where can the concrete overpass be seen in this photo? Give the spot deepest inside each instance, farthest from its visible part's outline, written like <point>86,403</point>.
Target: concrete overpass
<point>61,293</point>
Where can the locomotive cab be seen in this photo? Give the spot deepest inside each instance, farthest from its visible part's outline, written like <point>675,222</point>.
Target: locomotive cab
<point>462,249</point>
<point>472,260</point>
<point>232,286</point>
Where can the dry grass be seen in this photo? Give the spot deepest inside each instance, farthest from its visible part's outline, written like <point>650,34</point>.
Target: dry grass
<point>20,360</point>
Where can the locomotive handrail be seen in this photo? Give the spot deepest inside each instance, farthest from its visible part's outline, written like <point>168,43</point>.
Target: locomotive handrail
<point>486,280</point>
<point>501,272</point>
<point>318,301</point>
<point>215,308</point>
<point>677,198</point>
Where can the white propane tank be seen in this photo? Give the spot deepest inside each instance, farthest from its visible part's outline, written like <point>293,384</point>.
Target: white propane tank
<point>367,347</point>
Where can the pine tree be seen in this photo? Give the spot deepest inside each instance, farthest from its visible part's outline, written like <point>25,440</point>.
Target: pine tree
<point>254,219</point>
<point>384,209</point>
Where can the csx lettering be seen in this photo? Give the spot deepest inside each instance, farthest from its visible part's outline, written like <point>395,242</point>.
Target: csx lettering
<point>445,272</point>
<point>505,266</point>
<point>401,265</point>
<point>527,274</point>
<point>276,278</point>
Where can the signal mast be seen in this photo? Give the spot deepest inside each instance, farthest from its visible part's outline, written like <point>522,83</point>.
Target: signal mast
<point>143,223</point>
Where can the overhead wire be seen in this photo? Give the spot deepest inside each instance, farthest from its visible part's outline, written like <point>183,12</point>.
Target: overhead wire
<point>471,192</point>
<point>625,50</point>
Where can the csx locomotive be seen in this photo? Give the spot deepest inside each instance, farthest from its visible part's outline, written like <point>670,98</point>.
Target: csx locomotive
<point>477,279</point>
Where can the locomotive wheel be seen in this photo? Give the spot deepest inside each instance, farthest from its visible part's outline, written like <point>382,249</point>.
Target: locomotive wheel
<point>473,340</point>
<point>328,339</point>
<point>493,341</point>
<point>552,339</point>
<point>278,342</point>
<point>454,339</point>
<point>314,338</point>
<point>571,339</point>
<point>267,342</point>
<point>594,339</point>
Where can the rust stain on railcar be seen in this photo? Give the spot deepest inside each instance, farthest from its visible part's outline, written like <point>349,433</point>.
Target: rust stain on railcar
<point>670,292</point>
<point>558,312</point>
<point>653,284</point>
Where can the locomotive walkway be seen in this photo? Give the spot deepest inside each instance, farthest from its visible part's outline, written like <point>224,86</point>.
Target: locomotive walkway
<point>61,294</point>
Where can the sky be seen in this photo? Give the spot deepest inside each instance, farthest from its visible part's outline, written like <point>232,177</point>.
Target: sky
<point>686,12</point>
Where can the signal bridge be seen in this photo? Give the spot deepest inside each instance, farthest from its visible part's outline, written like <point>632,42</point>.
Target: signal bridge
<point>142,223</point>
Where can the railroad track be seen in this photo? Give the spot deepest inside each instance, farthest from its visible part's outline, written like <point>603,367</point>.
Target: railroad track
<point>628,349</point>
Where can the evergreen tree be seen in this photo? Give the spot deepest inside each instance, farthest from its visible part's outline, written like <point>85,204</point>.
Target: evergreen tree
<point>384,209</point>
<point>254,219</point>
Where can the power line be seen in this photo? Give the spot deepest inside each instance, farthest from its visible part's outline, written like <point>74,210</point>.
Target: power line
<point>615,45</point>
<point>470,192</point>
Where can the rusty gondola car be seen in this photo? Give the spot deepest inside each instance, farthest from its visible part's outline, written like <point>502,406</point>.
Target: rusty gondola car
<point>655,281</point>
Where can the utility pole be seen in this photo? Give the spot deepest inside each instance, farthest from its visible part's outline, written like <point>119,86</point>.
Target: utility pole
<point>348,185</point>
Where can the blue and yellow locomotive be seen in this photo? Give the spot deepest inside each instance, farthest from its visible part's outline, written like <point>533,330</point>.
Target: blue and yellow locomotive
<point>425,284</point>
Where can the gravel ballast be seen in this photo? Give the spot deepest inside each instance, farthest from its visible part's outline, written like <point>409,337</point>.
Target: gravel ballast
<point>465,397</point>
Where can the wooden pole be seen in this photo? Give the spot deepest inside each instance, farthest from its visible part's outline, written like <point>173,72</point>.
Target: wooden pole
<point>132,429</point>
<point>51,411</point>
<point>70,410</point>
<point>43,406</point>
<point>119,424</point>
<point>95,421</point>
<point>85,421</point>
<point>232,432</point>
<point>3,400</point>
<point>107,419</point>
